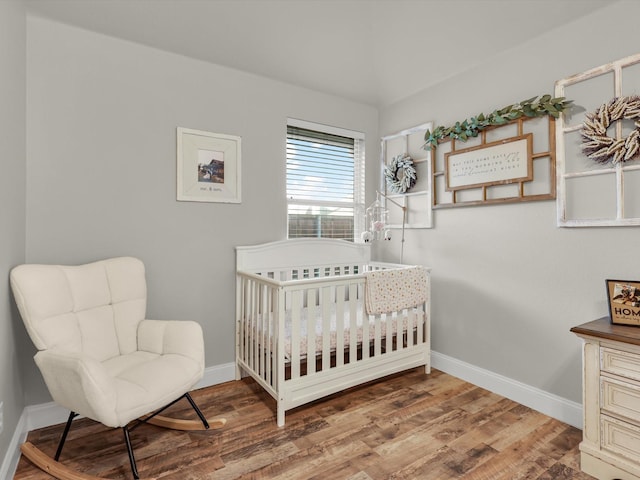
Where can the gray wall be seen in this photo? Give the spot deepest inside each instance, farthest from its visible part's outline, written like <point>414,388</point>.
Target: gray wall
<point>507,283</point>
<point>102,115</point>
<point>12,205</point>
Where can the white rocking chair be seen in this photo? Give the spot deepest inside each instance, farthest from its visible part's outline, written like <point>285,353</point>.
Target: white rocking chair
<point>100,357</point>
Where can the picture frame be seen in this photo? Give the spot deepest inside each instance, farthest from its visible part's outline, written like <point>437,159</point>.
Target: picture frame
<point>495,163</point>
<point>624,302</point>
<point>208,166</point>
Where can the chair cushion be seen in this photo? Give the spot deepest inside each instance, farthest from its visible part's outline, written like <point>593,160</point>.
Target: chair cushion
<point>145,381</point>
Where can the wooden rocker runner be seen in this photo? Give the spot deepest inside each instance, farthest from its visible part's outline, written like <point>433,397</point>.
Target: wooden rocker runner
<point>100,357</point>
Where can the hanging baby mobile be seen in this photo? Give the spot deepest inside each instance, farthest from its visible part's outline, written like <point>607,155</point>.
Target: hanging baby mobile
<point>602,148</point>
<point>400,174</point>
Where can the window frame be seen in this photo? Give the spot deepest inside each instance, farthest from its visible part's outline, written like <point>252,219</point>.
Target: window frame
<point>358,203</point>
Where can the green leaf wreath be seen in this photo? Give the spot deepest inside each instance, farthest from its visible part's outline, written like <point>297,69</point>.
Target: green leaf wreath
<point>400,174</point>
<point>471,127</point>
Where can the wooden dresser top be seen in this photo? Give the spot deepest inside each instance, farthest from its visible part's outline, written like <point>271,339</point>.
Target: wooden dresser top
<point>603,328</point>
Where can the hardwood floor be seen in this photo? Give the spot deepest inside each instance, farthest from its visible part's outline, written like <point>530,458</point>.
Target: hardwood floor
<point>407,426</point>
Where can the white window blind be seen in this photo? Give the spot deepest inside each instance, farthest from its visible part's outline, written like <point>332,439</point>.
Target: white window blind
<point>325,181</point>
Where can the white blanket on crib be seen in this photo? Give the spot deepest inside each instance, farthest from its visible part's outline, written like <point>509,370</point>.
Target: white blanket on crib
<point>395,289</point>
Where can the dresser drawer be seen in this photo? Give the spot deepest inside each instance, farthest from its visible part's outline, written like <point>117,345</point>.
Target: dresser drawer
<point>620,398</point>
<point>621,363</point>
<point>620,438</point>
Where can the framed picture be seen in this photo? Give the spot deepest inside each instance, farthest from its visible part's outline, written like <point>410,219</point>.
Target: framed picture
<point>501,162</point>
<point>624,302</point>
<point>208,166</point>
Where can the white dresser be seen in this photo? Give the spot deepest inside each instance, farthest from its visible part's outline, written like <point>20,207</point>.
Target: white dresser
<point>610,447</point>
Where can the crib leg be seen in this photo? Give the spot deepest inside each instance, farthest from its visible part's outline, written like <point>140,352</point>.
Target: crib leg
<point>280,414</point>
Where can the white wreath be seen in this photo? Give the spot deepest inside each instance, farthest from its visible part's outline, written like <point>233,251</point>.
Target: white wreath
<point>597,145</point>
<point>403,165</point>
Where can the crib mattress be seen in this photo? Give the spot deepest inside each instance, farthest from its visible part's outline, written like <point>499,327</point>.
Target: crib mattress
<point>401,318</point>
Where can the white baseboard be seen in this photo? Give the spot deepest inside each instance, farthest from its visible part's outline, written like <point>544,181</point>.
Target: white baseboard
<point>47,414</point>
<point>552,405</point>
<point>12,456</point>
<point>217,374</point>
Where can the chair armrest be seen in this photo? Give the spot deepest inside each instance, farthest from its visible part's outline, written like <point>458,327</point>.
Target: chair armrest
<point>79,383</point>
<point>179,337</point>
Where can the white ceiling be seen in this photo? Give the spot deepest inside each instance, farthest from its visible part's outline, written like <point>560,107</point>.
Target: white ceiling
<point>371,51</point>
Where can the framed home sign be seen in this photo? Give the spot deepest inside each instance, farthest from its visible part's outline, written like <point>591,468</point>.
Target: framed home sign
<point>208,166</point>
<point>624,302</point>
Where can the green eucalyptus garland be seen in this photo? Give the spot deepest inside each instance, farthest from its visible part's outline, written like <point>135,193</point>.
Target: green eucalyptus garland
<point>471,127</point>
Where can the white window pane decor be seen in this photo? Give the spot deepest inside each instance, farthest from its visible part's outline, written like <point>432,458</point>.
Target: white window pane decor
<point>325,181</point>
<point>593,193</point>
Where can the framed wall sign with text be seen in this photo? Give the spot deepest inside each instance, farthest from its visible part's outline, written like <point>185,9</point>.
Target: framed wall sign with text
<point>514,162</point>
<point>496,163</point>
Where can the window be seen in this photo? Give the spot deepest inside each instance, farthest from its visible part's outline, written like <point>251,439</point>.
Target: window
<point>325,181</point>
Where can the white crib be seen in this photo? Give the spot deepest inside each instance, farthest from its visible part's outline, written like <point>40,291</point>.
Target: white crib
<point>302,331</point>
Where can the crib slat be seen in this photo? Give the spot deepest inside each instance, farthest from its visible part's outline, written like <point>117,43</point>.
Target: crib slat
<point>366,324</point>
<point>377,334</point>
<point>242,326</point>
<point>239,323</point>
<point>256,328</point>
<point>408,334</point>
<point>260,331</point>
<point>340,292</point>
<point>265,339</point>
<point>353,323</point>
<point>279,356</point>
<point>311,330</point>
<point>400,330</point>
<point>296,309</point>
<point>252,326</point>
<point>326,301</point>
<point>391,325</point>
<point>421,323</point>
<point>246,318</point>
<point>270,338</point>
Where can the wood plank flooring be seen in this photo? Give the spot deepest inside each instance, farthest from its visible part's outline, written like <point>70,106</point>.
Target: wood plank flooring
<point>407,426</point>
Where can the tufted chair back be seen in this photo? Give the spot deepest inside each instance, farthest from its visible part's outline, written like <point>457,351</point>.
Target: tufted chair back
<point>91,309</point>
